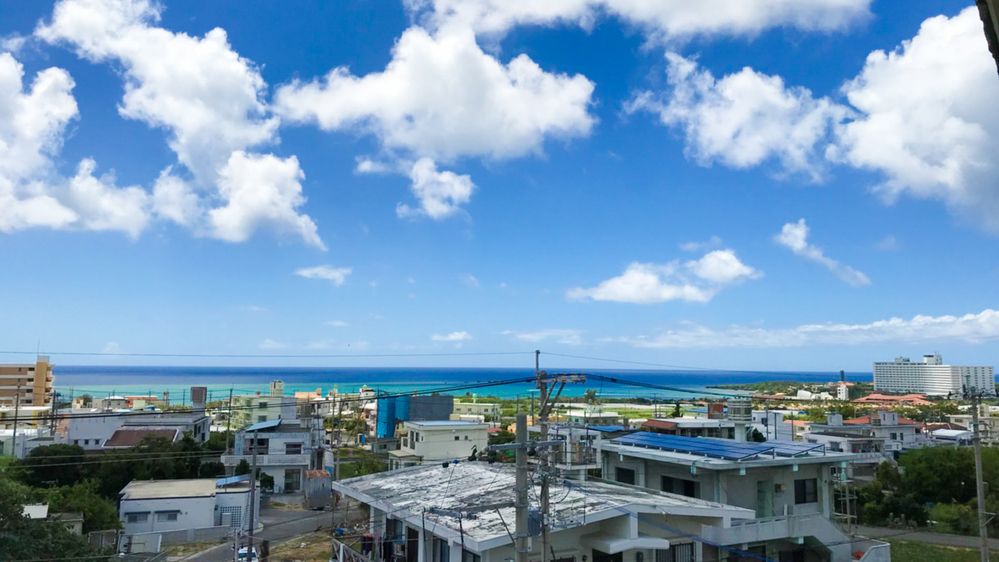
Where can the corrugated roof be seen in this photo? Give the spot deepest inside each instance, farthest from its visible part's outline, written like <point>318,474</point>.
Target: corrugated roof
<point>131,437</point>
<point>263,425</point>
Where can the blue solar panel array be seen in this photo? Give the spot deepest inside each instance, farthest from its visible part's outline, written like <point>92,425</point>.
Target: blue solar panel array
<point>718,448</point>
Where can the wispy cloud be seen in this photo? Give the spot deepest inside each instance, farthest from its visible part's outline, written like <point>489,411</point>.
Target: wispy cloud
<point>337,275</point>
<point>452,337</point>
<point>269,344</point>
<point>699,246</point>
<point>970,328</point>
<point>253,308</point>
<point>794,236</point>
<point>887,244</point>
<point>470,280</point>
<point>568,337</point>
<point>336,323</point>
<point>692,281</point>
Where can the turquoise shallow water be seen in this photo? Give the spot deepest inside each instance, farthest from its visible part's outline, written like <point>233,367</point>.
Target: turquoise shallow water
<point>103,381</point>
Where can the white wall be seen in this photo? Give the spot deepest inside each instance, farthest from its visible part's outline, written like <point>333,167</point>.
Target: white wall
<point>194,513</point>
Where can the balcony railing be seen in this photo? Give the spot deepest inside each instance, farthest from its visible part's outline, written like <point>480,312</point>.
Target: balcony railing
<point>774,528</point>
<point>267,460</point>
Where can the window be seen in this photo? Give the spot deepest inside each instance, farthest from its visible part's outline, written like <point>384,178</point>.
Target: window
<point>292,480</point>
<point>262,405</point>
<point>457,438</point>
<point>261,419</point>
<point>443,551</point>
<point>137,517</point>
<point>76,441</point>
<point>467,556</point>
<point>689,488</point>
<point>681,552</point>
<point>625,475</point>
<point>166,516</point>
<point>293,448</point>
<point>806,491</point>
<point>86,441</point>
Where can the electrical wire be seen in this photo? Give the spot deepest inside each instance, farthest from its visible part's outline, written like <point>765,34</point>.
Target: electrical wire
<point>266,356</point>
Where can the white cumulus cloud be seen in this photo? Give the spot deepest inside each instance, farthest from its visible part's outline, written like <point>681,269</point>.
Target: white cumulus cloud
<point>336,275</point>
<point>211,103</point>
<point>743,119</point>
<point>32,194</point>
<point>794,236</point>
<point>668,19</point>
<point>440,194</point>
<point>452,337</point>
<point>928,120</point>
<point>969,328</point>
<point>693,281</point>
<point>563,336</point>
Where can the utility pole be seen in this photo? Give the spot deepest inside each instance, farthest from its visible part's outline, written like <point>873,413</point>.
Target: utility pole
<point>542,385</point>
<point>253,497</point>
<point>228,423</point>
<point>336,473</point>
<point>520,538</point>
<point>983,520</point>
<point>17,409</point>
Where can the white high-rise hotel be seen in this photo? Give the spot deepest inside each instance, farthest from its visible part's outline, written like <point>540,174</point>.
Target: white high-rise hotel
<point>931,377</point>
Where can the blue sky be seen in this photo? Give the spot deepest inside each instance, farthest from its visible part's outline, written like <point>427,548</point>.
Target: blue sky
<point>780,186</point>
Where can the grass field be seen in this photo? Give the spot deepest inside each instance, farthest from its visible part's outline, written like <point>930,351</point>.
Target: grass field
<point>314,547</point>
<point>911,551</point>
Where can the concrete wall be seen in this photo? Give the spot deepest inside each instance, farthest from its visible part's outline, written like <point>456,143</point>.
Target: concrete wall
<point>88,432</point>
<point>193,513</point>
<point>733,488</point>
<point>436,443</point>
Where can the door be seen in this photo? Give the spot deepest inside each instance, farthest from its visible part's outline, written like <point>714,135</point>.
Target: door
<point>604,557</point>
<point>764,499</point>
<point>412,545</point>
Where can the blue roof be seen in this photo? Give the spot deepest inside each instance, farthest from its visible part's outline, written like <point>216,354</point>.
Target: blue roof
<point>221,482</point>
<point>444,422</point>
<point>263,425</point>
<point>707,447</point>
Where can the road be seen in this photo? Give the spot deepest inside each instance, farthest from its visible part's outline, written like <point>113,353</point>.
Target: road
<point>279,526</point>
<point>924,536</point>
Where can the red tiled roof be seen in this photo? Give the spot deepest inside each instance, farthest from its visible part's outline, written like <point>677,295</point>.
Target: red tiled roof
<point>866,420</point>
<point>131,437</point>
<point>659,424</point>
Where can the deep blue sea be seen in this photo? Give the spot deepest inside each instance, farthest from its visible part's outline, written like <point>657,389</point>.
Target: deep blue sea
<point>103,381</point>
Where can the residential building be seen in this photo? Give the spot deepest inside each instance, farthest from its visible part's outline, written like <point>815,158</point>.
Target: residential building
<point>88,428</point>
<point>988,425</point>
<point>581,453</point>
<point>770,424</point>
<point>438,441</point>
<point>491,412</point>
<point>789,486</point>
<point>111,403</point>
<point>27,416</point>
<point>465,513</point>
<point>692,427</point>
<point>33,380</point>
<point>592,416</point>
<point>931,377</point>
<point>284,449</point>
<point>172,425</point>
<point>798,428</point>
<point>254,408</point>
<point>148,506</point>
<point>958,436</point>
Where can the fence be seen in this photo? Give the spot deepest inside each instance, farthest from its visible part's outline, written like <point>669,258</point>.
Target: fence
<point>182,536</point>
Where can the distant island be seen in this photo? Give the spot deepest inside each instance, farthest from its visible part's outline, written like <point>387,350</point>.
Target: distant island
<point>791,388</point>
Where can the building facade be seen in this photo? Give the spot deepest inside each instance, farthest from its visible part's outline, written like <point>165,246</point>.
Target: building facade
<point>790,487</point>
<point>147,506</point>
<point>438,441</point>
<point>284,449</point>
<point>931,377</point>
<point>33,380</point>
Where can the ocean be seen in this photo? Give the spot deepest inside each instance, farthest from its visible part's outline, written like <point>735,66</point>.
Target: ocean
<point>123,380</point>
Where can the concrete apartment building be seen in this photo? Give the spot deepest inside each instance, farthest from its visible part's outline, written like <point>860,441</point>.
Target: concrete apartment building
<point>255,408</point>
<point>461,514</point>
<point>692,427</point>
<point>790,488</point>
<point>34,380</point>
<point>285,449</point>
<point>491,412</point>
<point>931,377</point>
<point>438,441</point>
<point>211,506</point>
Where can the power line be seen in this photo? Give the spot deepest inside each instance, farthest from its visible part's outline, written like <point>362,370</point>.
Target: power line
<point>264,356</point>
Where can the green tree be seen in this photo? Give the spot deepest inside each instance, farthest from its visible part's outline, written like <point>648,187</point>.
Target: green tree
<point>98,513</point>
<point>87,400</point>
<point>502,437</point>
<point>266,481</point>
<point>53,465</point>
<point>27,539</point>
<point>242,468</point>
<point>590,396</point>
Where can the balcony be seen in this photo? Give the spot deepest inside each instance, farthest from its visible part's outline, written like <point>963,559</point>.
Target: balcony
<point>776,528</point>
<point>268,460</point>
